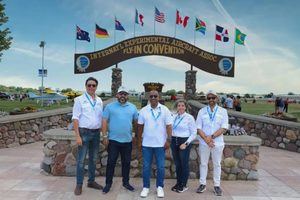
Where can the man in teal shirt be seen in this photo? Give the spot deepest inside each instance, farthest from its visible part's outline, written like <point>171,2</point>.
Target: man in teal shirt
<point>118,118</point>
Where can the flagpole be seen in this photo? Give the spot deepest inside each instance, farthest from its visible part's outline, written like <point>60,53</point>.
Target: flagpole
<point>175,24</point>
<point>154,21</point>
<point>134,24</point>
<point>215,41</point>
<point>194,41</point>
<point>115,37</point>
<point>95,38</point>
<point>75,38</point>
<point>234,43</point>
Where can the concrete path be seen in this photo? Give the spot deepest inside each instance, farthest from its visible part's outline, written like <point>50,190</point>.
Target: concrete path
<point>21,178</point>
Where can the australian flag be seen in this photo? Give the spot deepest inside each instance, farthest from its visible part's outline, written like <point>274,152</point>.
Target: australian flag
<point>118,25</point>
<point>82,35</point>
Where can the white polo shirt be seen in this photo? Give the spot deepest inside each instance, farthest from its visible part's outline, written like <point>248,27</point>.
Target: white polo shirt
<point>155,122</point>
<point>184,126</point>
<point>89,116</point>
<point>210,124</point>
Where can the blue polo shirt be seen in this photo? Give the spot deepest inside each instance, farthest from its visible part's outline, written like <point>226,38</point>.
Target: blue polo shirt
<point>120,119</point>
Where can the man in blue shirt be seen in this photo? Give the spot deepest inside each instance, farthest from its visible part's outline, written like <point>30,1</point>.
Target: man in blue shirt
<point>118,118</point>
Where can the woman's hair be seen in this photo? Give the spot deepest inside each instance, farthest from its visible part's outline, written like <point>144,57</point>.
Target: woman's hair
<point>187,106</point>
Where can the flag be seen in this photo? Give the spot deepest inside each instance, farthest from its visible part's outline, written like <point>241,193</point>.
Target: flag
<point>240,37</point>
<point>159,16</point>
<point>118,25</point>
<point>200,26</point>
<point>139,18</point>
<point>180,21</point>
<point>221,34</point>
<point>82,35</point>
<point>101,32</point>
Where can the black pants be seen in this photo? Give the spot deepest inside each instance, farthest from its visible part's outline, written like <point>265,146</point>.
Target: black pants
<point>181,159</point>
<point>114,148</point>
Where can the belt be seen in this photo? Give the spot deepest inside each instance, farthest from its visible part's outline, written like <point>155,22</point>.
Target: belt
<point>87,129</point>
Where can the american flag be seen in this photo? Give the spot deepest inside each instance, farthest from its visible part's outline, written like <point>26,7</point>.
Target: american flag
<point>159,16</point>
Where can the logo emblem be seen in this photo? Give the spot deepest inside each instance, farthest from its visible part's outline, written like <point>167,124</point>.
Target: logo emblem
<point>225,65</point>
<point>82,63</point>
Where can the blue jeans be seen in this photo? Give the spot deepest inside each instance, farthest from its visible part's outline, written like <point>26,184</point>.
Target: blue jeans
<point>159,153</point>
<point>181,159</point>
<point>90,143</point>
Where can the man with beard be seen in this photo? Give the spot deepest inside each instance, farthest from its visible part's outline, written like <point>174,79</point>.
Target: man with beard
<point>154,124</point>
<point>212,122</point>
<point>118,117</point>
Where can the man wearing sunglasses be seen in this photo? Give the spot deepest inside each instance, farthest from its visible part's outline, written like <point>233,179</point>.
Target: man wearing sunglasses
<point>118,118</point>
<point>87,116</point>
<point>154,124</point>
<point>212,122</point>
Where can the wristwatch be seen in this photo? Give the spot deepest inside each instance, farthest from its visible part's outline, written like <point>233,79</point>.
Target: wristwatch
<point>213,136</point>
<point>186,143</point>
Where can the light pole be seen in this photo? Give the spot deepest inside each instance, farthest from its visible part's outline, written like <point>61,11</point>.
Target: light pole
<point>42,45</point>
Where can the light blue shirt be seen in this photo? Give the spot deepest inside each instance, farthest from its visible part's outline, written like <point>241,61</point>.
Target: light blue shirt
<point>120,119</point>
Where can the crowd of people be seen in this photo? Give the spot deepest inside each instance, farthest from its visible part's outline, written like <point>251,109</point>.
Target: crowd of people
<point>231,102</point>
<point>156,129</point>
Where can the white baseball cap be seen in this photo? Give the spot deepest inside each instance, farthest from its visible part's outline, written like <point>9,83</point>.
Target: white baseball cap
<point>123,89</point>
<point>211,92</point>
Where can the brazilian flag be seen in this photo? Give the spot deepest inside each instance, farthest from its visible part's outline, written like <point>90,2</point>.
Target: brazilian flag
<point>239,37</point>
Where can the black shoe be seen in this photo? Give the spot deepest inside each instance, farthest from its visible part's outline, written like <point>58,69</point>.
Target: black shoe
<point>201,188</point>
<point>78,190</point>
<point>106,189</point>
<point>175,187</point>
<point>128,187</point>
<point>218,191</point>
<point>181,189</point>
<point>94,185</point>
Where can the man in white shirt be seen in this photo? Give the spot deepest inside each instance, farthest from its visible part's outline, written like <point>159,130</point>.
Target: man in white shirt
<point>228,102</point>
<point>87,116</point>
<point>212,122</point>
<point>154,124</point>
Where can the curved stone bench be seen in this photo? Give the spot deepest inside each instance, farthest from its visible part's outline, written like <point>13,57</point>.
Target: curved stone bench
<point>240,157</point>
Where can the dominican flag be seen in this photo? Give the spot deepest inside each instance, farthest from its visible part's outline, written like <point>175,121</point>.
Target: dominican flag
<point>221,34</point>
<point>82,35</point>
<point>139,18</point>
<point>118,25</point>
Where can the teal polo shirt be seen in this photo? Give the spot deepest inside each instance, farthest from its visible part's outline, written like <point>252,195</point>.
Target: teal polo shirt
<point>120,119</point>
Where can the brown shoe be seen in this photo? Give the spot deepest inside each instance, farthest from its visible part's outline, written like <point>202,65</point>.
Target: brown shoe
<point>78,190</point>
<point>94,185</point>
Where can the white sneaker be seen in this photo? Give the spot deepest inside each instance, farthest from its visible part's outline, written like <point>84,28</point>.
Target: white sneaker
<point>144,192</point>
<point>160,192</point>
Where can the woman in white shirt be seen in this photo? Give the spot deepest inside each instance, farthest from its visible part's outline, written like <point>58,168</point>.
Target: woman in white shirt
<point>184,132</point>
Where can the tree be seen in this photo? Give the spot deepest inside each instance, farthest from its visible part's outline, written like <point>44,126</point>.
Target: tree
<point>290,93</point>
<point>5,39</point>
<point>66,90</point>
<point>171,92</point>
<point>180,92</point>
<point>247,96</point>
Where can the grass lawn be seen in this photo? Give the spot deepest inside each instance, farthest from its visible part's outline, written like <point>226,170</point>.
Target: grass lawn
<point>7,106</point>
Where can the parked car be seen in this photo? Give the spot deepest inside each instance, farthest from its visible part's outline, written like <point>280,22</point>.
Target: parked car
<point>4,95</point>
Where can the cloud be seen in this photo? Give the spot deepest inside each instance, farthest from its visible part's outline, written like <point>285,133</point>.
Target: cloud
<point>20,81</point>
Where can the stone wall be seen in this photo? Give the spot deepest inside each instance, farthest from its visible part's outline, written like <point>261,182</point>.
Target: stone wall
<point>17,130</point>
<point>240,157</point>
<point>274,133</point>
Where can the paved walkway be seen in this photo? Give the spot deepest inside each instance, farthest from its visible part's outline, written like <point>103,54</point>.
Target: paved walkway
<point>21,178</point>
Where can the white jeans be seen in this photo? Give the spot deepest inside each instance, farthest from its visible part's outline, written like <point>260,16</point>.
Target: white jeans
<point>216,154</point>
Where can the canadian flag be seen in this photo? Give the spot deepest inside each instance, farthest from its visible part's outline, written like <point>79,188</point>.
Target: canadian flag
<point>180,21</point>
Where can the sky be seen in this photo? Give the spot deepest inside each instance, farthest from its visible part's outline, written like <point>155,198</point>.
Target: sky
<point>267,63</point>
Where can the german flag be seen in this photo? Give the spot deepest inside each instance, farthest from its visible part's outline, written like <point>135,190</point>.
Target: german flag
<point>101,32</point>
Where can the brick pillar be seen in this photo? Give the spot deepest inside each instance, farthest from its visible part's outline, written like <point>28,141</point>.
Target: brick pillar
<point>190,84</point>
<point>116,80</point>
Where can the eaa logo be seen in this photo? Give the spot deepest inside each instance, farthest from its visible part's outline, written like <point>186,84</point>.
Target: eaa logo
<point>225,65</point>
<point>82,63</point>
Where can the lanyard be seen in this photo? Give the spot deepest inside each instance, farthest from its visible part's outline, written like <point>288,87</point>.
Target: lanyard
<point>180,119</point>
<point>92,104</point>
<point>212,114</point>
<point>155,118</point>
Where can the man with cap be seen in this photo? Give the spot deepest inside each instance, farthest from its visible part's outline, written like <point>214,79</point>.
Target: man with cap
<point>212,122</point>
<point>117,121</point>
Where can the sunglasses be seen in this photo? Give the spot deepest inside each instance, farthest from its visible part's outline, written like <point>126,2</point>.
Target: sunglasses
<point>91,85</point>
<point>211,98</point>
<point>123,93</point>
<point>153,96</point>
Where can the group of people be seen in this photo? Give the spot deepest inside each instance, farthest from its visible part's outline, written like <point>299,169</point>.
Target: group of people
<point>232,102</point>
<point>281,105</point>
<point>156,129</point>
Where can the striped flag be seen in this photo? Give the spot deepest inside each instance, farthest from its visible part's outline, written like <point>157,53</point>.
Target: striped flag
<point>159,16</point>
